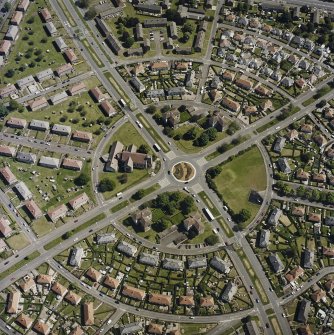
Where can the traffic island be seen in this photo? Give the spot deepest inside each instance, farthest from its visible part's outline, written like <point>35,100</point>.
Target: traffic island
<point>183,172</point>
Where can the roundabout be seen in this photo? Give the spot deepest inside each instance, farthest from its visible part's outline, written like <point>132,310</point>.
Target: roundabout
<point>183,172</point>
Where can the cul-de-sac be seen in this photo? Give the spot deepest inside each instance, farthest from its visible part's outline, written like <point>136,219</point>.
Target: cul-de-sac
<point>166,167</point>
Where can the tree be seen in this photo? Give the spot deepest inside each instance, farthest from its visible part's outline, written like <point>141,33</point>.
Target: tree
<point>83,3</point>
<point>174,15</point>
<point>202,140</point>
<point>212,133</point>
<point>182,108</point>
<point>306,156</point>
<point>131,22</point>
<point>13,105</point>
<point>90,14</point>
<point>168,131</point>
<point>81,180</point>
<point>143,148</point>
<point>214,171</point>
<point>106,185</point>
<point>138,195</point>
<point>151,109</point>
<point>10,73</point>
<point>165,109</point>
<point>212,240</point>
<point>161,225</point>
<point>3,110</point>
<point>129,42</point>
<point>242,216</point>
<point>123,178</point>
<point>190,134</point>
<point>222,148</point>
<point>187,28</point>
<point>187,204</point>
<point>7,6</point>
<point>322,103</point>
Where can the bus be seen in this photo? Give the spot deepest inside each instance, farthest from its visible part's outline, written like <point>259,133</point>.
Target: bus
<point>156,147</point>
<point>122,102</point>
<point>208,213</point>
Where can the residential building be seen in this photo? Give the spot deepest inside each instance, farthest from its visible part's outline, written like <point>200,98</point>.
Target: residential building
<point>5,47</point>
<point>220,265</point>
<point>59,289</point>
<point>172,117</point>
<point>82,136</point>
<point>71,56</point>
<point>111,282</point>
<point>172,264</point>
<point>88,313</point>
<point>25,82</point>
<point>307,259</point>
<point>13,300</point>
<point>12,33</point>
<point>27,284</point>
<point>44,75</point>
<point>60,43</point>
<point>154,328</point>
<point>33,209</point>
<point>76,256</point>
<point>189,79</point>
<point>102,26</point>
<point>126,248</point>
<point>26,157</point>
<point>51,29</point>
<point>97,94</point>
<point>139,32</point>
<point>275,263</point>
<point>193,222</point>
<point>131,328</point>
<point>231,104</point>
<point>57,213</point>
<point>58,98</point>
<point>77,89</point>
<point>43,279</point>
<point>148,259</point>
<point>263,238</point>
<point>5,228</point>
<point>137,84</point>
<point>24,321</point>
<point>61,130</point>
<point>173,30</point>
<point>39,125</point>
<point>112,163</point>
<point>79,201</point>
<point>216,120</point>
<point>114,44</point>
<point>160,299</point>
<point>197,263</point>
<point>229,292</point>
<point>6,150</point>
<point>155,23</point>
<point>175,91</point>
<point>9,89</point>
<point>106,238</point>
<point>187,300</point>
<point>199,42</point>
<point>8,175</point>
<point>72,164</point>
<point>72,298</point>
<point>134,293</point>
<point>279,144</point>
<point>148,8</point>
<point>49,162</point>
<point>23,5</point>
<point>16,18</point>
<point>45,14</point>
<point>65,69</point>
<point>143,219</point>
<point>107,108</point>
<point>303,310</point>
<point>156,93</point>
<point>23,190</point>
<point>93,275</point>
<point>294,274</point>
<point>283,165</point>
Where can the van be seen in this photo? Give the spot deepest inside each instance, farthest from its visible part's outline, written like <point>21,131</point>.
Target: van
<point>119,195</point>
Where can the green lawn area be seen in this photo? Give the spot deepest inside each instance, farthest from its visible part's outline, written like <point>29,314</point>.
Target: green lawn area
<point>206,233</point>
<point>29,54</point>
<point>127,134</point>
<point>238,177</point>
<point>187,145</point>
<point>17,241</point>
<point>120,206</point>
<point>192,328</point>
<point>55,183</point>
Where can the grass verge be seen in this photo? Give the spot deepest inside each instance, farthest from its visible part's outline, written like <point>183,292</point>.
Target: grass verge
<point>253,276</point>
<point>18,265</point>
<point>88,223</point>
<point>209,204</point>
<point>226,228</point>
<point>153,133</point>
<point>120,206</point>
<point>92,53</point>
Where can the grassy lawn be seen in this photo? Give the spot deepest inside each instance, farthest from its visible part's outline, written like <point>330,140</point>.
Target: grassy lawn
<point>206,233</point>
<point>239,177</point>
<point>29,55</point>
<point>227,230</point>
<point>153,133</point>
<point>192,328</point>
<point>57,184</point>
<point>120,206</point>
<point>18,265</point>
<point>18,241</point>
<point>209,204</point>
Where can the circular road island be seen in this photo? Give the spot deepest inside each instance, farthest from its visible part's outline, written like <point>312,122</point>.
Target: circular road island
<point>183,172</point>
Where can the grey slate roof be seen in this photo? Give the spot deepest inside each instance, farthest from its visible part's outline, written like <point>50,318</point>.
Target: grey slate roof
<point>172,264</point>
<point>148,259</point>
<point>106,238</point>
<point>126,248</point>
